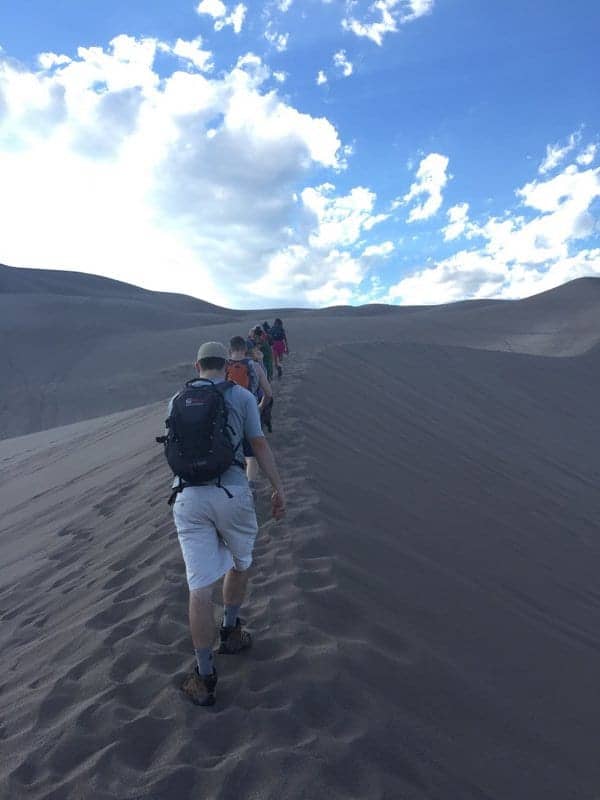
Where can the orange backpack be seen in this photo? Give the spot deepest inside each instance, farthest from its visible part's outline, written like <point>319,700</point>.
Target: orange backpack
<point>239,372</point>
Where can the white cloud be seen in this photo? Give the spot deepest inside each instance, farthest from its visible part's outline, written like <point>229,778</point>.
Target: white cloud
<point>191,51</point>
<point>324,277</point>
<point>519,254</point>
<point>284,5</point>
<point>323,268</point>
<point>280,77</point>
<point>235,19</point>
<point>214,8</point>
<point>340,60</point>
<point>378,250</point>
<point>458,217</point>
<point>389,14</point>
<point>556,153</point>
<point>49,60</point>
<point>588,155</point>
<point>430,180</point>
<point>340,221</point>
<point>181,181</point>
<point>277,40</point>
<point>462,275</point>
<point>220,13</point>
<point>321,78</point>
<point>416,9</point>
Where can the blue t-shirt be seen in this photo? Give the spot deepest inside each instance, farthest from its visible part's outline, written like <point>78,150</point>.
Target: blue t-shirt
<point>244,421</point>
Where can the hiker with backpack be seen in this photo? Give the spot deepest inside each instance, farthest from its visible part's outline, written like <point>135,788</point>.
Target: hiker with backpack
<point>262,356</point>
<point>280,344</point>
<point>244,371</point>
<point>213,507</point>
<point>263,342</point>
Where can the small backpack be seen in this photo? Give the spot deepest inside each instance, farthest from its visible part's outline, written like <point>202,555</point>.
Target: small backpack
<point>198,444</point>
<point>243,374</point>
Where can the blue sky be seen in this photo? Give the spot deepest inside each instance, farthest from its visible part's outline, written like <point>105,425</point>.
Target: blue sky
<point>449,148</point>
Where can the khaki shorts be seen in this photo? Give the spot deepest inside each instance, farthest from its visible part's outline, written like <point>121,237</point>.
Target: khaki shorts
<point>216,532</point>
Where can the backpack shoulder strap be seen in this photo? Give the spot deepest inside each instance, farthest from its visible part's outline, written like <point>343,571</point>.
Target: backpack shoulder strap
<point>195,380</point>
<point>224,386</point>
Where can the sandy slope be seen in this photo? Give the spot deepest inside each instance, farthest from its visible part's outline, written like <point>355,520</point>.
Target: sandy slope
<point>426,619</point>
<point>460,529</point>
<point>76,346</point>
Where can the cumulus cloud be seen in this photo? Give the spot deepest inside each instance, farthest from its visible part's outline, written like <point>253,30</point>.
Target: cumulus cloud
<point>378,250</point>
<point>321,78</point>
<point>214,8</point>
<point>299,271</point>
<point>277,40</point>
<point>180,180</point>
<point>325,268</point>
<point>556,153</point>
<point>49,60</point>
<point>588,155</point>
<point>340,220</point>
<point>340,60</point>
<point>431,178</point>
<point>221,14</point>
<point>190,51</point>
<point>384,16</point>
<point>523,252</point>
<point>458,217</point>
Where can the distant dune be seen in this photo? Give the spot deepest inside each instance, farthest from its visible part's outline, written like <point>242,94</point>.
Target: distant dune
<point>427,619</point>
<point>24,281</point>
<point>77,346</point>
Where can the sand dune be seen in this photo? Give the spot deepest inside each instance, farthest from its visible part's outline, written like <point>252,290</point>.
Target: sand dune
<point>426,619</point>
<point>78,346</point>
<point>460,532</point>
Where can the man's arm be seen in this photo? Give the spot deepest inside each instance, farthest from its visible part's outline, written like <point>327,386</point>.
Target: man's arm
<point>263,454</point>
<point>266,461</point>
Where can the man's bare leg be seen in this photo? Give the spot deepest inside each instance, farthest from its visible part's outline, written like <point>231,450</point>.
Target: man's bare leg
<point>234,587</point>
<point>234,639</point>
<point>202,627</point>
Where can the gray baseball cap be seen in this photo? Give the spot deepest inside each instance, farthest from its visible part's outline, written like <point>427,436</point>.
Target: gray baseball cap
<point>213,350</point>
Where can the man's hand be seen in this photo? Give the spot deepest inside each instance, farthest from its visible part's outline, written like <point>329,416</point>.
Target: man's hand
<point>278,504</point>
<point>266,462</point>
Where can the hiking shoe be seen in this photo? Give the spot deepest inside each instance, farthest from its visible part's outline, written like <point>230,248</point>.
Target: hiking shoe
<point>200,688</point>
<point>234,640</point>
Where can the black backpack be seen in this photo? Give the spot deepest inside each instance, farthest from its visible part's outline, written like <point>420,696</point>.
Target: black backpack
<point>198,444</point>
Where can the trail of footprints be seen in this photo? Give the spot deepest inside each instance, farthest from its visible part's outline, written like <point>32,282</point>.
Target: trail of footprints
<point>136,646</point>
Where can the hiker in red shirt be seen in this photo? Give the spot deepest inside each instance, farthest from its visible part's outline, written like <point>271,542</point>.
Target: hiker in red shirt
<point>280,344</point>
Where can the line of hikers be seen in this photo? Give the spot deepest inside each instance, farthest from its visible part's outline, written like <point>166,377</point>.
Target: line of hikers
<point>215,446</point>
<point>267,344</point>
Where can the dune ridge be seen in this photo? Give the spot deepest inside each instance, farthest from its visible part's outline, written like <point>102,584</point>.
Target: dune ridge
<point>69,358</point>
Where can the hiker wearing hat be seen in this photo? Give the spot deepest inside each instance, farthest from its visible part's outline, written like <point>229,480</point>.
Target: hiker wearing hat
<point>213,508</point>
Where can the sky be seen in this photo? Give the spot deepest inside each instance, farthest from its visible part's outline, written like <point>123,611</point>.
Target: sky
<point>303,152</point>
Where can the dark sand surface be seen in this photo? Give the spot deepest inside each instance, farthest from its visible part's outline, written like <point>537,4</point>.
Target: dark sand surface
<point>73,346</point>
<point>427,619</point>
